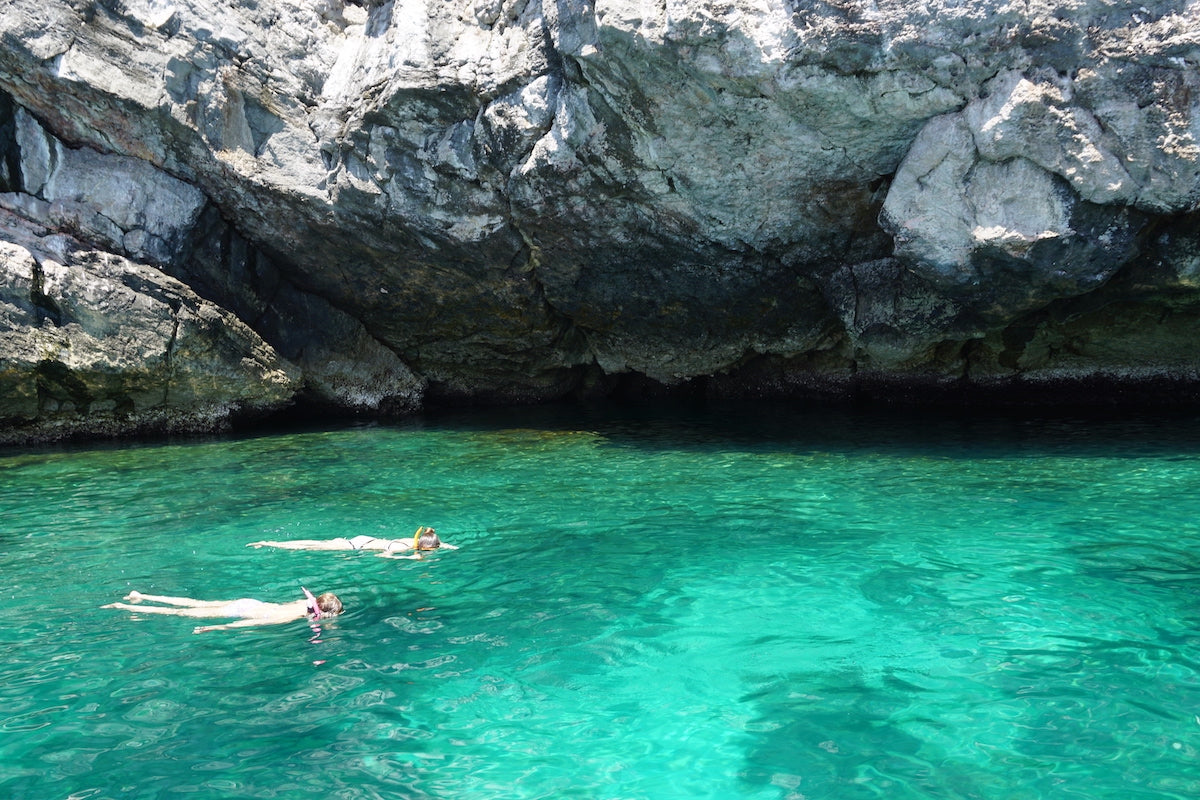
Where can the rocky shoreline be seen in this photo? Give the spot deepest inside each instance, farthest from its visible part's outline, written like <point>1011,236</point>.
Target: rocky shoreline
<point>212,213</point>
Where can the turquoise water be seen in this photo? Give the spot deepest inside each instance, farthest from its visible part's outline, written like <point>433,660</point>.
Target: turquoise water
<point>744,603</point>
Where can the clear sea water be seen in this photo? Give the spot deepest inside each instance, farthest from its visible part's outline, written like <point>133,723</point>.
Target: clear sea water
<point>730,603</point>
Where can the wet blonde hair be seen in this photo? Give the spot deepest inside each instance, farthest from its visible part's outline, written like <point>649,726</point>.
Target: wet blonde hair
<point>329,603</point>
<point>428,539</point>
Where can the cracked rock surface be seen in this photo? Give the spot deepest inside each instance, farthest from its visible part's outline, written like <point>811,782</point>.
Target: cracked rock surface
<point>213,209</point>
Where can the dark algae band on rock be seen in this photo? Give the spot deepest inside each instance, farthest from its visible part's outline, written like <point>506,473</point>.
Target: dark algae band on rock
<point>211,211</point>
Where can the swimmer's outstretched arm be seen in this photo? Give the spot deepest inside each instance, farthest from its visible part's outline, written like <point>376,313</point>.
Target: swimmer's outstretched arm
<point>307,544</point>
<point>243,623</point>
<point>409,554</point>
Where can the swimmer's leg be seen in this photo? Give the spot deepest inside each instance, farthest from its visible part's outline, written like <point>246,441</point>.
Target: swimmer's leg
<point>177,612</point>
<point>137,597</point>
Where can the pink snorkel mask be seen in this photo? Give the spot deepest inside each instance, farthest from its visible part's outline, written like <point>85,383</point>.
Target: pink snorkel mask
<point>313,609</point>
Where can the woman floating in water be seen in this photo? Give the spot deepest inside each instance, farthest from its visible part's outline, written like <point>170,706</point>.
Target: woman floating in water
<point>249,610</point>
<point>423,540</point>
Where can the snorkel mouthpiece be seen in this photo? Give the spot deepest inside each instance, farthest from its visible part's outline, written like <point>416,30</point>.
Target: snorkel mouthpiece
<point>313,609</point>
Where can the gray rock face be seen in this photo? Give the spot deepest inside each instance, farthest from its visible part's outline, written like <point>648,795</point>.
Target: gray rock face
<point>107,345</point>
<point>509,200</point>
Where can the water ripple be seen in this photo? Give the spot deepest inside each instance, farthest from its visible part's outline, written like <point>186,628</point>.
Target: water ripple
<point>640,608</point>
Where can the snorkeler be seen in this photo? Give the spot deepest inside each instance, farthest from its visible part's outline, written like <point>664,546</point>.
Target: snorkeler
<point>424,539</point>
<point>250,611</point>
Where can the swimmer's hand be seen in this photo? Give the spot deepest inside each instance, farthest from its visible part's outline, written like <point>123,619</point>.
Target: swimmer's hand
<point>416,556</point>
<point>203,628</point>
<point>134,597</point>
<point>257,544</point>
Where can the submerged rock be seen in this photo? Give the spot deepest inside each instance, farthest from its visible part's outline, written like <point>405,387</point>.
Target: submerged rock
<point>513,201</point>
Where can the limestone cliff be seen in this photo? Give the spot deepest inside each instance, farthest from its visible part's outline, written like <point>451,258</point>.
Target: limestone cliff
<point>213,208</point>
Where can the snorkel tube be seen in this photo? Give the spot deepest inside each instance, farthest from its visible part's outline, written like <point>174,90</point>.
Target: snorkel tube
<point>417,539</point>
<point>313,609</point>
